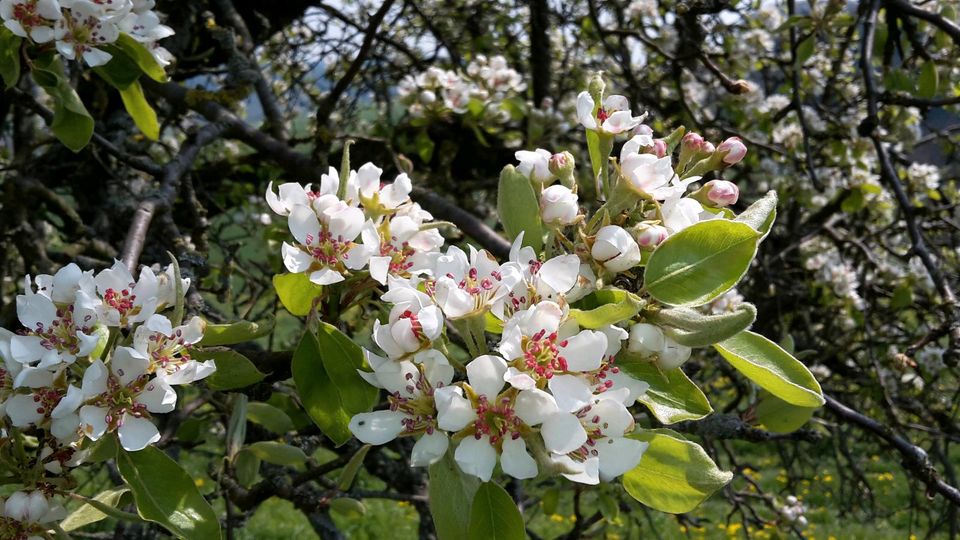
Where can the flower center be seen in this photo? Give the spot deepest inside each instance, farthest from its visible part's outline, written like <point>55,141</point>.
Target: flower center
<point>61,334</point>
<point>420,410</point>
<point>328,250</point>
<point>121,400</point>
<point>26,15</point>
<point>602,114</point>
<point>592,424</point>
<point>123,302</point>
<point>496,420</point>
<point>599,377</point>
<point>541,354</point>
<point>399,255</point>
<point>168,354</point>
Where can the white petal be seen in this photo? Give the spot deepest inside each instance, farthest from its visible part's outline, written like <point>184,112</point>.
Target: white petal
<point>304,225</point>
<point>454,412</point>
<point>476,457</point>
<point>94,380</point>
<point>588,471</point>
<point>158,396</point>
<point>585,105</point>
<point>515,460</point>
<point>533,406</point>
<point>22,410</point>
<point>378,427</point>
<point>560,273</point>
<point>615,102</point>
<point>295,259</point>
<point>618,455</point>
<point>136,433</point>
<point>584,351</point>
<point>68,403</point>
<point>519,379</point>
<point>93,421</point>
<point>128,365</point>
<point>485,374</point>
<point>563,433</point>
<point>326,276</point>
<point>429,449</point>
<point>571,392</point>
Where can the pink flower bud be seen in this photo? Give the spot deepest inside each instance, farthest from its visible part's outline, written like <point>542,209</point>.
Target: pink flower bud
<point>708,147</point>
<point>561,162</point>
<point>650,236</point>
<point>722,192</point>
<point>659,148</point>
<point>692,142</point>
<point>733,150</point>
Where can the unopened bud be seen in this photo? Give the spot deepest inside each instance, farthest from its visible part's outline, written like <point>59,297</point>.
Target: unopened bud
<point>650,236</point>
<point>732,150</point>
<point>741,86</point>
<point>692,142</point>
<point>427,97</point>
<point>659,148</point>
<point>707,148</point>
<point>561,162</point>
<point>596,86</point>
<point>722,192</point>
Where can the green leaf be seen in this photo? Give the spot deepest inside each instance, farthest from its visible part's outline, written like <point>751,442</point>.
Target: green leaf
<point>269,417</point>
<point>692,328</point>
<point>609,306</point>
<point>425,146</point>
<point>351,469</point>
<point>142,57</point>
<point>72,124</point>
<point>234,370</point>
<point>121,71</point>
<point>672,396</point>
<point>700,262</point>
<point>674,475</point>
<point>494,515</point>
<point>246,465</point>
<point>297,293</point>
<point>319,395</point>
<point>165,494</point>
<point>761,214</point>
<point>451,494</point>
<point>772,368</point>
<point>342,358</point>
<point>88,513</point>
<point>519,208</point>
<point>233,333</point>
<point>902,296</point>
<point>142,113</point>
<point>9,57</point>
<point>348,508</point>
<point>928,81</point>
<point>805,49</point>
<point>278,453</point>
<point>779,416</point>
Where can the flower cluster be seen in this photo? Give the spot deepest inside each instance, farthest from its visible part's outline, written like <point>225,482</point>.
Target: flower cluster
<point>342,226</point>
<point>540,390</point>
<point>486,82</point>
<point>97,353</point>
<point>82,29</point>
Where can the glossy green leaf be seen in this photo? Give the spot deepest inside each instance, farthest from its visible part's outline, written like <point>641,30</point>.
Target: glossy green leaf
<point>9,57</point>
<point>693,328</point>
<point>606,307</point>
<point>761,214</point>
<point>928,81</point>
<point>672,396</point>
<point>451,497</point>
<point>278,453</point>
<point>165,494</point>
<point>674,475</point>
<point>494,515</point>
<point>269,417</point>
<point>297,293</point>
<point>700,262</point>
<point>342,358</point>
<point>234,370</point>
<point>71,124</point>
<point>88,512</point>
<point>779,416</point>
<point>318,393</point>
<point>519,208</point>
<point>142,113</point>
<point>142,57</point>
<point>233,333</point>
<point>772,368</point>
<point>350,470</point>
<point>121,71</point>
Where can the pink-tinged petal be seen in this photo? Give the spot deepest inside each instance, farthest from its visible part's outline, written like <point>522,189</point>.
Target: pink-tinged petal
<point>533,406</point>
<point>515,460</point>
<point>563,433</point>
<point>476,457</point>
<point>137,433</point>
<point>584,351</point>
<point>485,374</point>
<point>368,179</point>
<point>621,121</point>
<point>378,427</point>
<point>430,448</point>
<point>615,102</point>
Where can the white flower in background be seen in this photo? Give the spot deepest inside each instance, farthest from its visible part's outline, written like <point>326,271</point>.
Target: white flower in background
<point>536,348</point>
<point>168,349</point>
<point>31,18</point>
<point>612,117</point>
<point>465,286</point>
<point>291,194</point>
<point>535,165</point>
<point>121,399</point>
<point>412,412</point>
<point>726,302</point>
<point>86,27</point>
<point>615,249</point>
<point>489,422</point>
<point>125,301</point>
<point>59,320</point>
<point>559,205</point>
<point>326,246</point>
